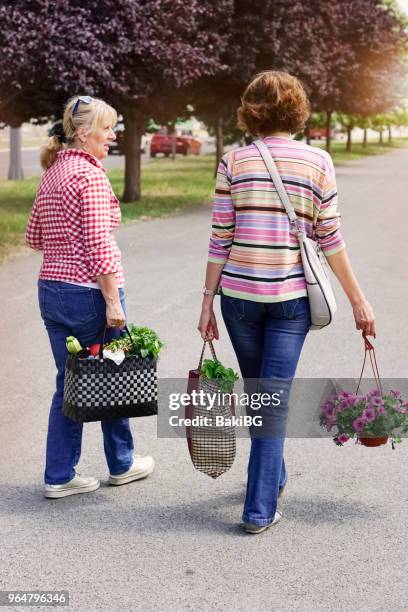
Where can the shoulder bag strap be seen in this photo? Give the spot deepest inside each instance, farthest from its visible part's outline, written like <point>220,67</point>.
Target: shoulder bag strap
<point>274,174</point>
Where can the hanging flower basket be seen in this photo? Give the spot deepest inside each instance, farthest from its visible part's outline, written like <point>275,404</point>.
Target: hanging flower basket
<point>371,418</point>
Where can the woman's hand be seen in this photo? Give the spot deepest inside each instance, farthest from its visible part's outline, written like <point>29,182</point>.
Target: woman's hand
<point>207,325</point>
<point>364,317</point>
<point>115,317</point>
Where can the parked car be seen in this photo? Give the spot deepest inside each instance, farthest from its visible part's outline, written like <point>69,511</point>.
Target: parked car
<point>318,133</point>
<point>185,144</point>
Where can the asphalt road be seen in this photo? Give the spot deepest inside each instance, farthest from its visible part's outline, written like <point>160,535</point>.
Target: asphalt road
<point>171,542</point>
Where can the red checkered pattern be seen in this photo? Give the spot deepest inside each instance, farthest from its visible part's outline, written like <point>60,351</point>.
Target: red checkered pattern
<point>72,220</point>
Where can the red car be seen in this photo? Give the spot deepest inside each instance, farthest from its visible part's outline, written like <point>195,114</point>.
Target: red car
<point>162,143</point>
<point>319,133</point>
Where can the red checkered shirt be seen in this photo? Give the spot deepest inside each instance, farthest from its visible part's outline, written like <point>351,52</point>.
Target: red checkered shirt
<point>72,220</point>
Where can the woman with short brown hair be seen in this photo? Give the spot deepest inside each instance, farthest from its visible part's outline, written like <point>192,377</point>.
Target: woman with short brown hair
<point>273,102</point>
<point>255,258</point>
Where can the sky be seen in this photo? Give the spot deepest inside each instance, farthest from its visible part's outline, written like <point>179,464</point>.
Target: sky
<point>404,5</point>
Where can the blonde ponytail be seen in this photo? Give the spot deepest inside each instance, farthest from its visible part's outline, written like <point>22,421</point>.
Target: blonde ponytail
<point>49,152</point>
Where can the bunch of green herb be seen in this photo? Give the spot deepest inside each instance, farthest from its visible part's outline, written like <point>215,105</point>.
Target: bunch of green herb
<point>214,370</point>
<point>146,343</point>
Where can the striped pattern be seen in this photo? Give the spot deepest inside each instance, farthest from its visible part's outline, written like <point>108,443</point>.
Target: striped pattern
<point>251,233</point>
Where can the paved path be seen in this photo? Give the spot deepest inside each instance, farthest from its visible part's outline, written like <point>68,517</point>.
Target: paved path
<point>171,542</point>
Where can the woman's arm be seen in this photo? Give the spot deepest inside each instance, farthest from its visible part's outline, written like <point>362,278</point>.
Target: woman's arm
<point>362,310</point>
<point>115,316</point>
<point>33,232</point>
<point>100,256</point>
<point>331,241</point>
<point>207,325</point>
<point>222,235</point>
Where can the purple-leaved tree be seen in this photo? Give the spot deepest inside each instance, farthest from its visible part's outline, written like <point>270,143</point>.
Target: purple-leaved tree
<point>140,56</point>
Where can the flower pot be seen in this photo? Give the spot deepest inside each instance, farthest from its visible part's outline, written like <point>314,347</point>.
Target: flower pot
<point>373,441</point>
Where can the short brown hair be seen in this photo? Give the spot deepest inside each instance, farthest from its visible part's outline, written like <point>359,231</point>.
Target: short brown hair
<point>273,102</point>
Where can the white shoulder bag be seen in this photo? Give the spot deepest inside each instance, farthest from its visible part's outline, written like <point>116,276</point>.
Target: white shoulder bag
<point>321,297</point>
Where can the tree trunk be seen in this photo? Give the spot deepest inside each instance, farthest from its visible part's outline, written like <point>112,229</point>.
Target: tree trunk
<point>15,163</point>
<point>307,133</point>
<point>365,138</point>
<point>389,134</point>
<point>135,127</point>
<point>348,145</point>
<point>328,131</point>
<point>381,141</point>
<point>219,143</point>
<point>172,131</point>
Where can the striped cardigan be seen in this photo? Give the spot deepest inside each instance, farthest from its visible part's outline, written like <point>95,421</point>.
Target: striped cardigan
<point>251,233</point>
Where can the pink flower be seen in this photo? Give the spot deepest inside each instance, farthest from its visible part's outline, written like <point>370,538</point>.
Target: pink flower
<point>380,410</point>
<point>359,423</point>
<point>356,400</point>
<point>343,438</point>
<point>343,405</point>
<point>395,393</point>
<point>377,401</point>
<point>328,409</point>
<point>368,414</point>
<point>373,393</point>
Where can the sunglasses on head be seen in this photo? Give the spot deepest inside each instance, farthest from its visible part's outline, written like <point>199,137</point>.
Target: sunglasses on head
<point>84,99</point>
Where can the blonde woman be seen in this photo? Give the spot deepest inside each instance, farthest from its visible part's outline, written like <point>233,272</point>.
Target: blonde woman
<point>81,282</point>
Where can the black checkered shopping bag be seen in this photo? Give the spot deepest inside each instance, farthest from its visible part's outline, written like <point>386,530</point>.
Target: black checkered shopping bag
<point>211,437</point>
<point>99,389</point>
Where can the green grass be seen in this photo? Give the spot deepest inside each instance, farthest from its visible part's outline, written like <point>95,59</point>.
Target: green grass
<point>16,199</point>
<point>168,187</point>
<point>340,154</point>
<point>27,142</point>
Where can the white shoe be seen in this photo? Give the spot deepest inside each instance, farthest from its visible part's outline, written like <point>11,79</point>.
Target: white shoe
<point>74,486</point>
<point>252,528</point>
<point>142,467</point>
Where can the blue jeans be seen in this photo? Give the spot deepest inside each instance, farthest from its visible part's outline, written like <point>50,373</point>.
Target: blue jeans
<point>267,339</point>
<point>70,310</point>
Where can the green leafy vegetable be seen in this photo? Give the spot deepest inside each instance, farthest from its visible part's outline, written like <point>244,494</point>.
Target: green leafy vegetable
<point>146,343</point>
<point>214,370</point>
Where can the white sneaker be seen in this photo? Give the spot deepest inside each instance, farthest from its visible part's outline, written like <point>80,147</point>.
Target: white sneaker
<point>142,467</point>
<point>252,528</point>
<point>74,486</point>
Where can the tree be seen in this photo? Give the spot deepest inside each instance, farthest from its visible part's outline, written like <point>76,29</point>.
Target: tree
<point>138,56</point>
<point>364,123</point>
<point>345,52</point>
<point>378,124</point>
<point>18,102</point>
<point>361,45</point>
<point>275,35</point>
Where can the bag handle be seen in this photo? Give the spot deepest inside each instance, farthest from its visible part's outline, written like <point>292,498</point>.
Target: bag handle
<point>200,363</point>
<point>275,176</point>
<point>369,348</point>
<point>103,340</point>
